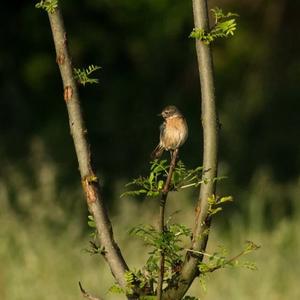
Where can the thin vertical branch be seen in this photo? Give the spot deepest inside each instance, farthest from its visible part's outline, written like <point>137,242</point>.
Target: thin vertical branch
<point>90,182</point>
<point>210,131</point>
<point>210,160</point>
<point>163,200</point>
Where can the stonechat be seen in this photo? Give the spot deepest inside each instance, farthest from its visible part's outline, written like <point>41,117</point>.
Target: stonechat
<point>173,131</point>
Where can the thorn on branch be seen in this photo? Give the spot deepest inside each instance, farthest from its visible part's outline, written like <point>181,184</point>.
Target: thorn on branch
<point>86,294</point>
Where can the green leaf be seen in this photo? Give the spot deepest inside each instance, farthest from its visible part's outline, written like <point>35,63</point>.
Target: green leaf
<point>129,278</point>
<point>91,221</point>
<point>202,281</point>
<point>160,185</point>
<point>92,224</point>
<point>225,26</point>
<point>215,210</point>
<point>48,5</point>
<point>83,75</point>
<point>250,246</point>
<point>153,194</point>
<point>225,199</point>
<point>153,184</point>
<point>151,178</point>
<point>116,289</point>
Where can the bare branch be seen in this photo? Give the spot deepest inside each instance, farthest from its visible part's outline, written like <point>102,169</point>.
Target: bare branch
<point>210,149</point>
<point>86,294</point>
<point>79,134</point>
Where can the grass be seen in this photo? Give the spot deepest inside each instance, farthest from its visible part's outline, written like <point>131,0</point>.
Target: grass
<point>42,252</point>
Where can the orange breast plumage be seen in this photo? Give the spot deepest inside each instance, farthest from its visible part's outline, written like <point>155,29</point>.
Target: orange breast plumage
<point>174,133</point>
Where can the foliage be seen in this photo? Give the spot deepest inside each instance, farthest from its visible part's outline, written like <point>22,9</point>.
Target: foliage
<point>47,5</point>
<point>182,178</point>
<point>19,246</point>
<point>91,221</point>
<point>133,279</point>
<point>92,224</point>
<point>170,241</point>
<point>215,203</point>
<point>94,247</point>
<point>153,184</point>
<point>225,26</point>
<point>83,75</point>
<point>219,259</point>
<point>277,193</point>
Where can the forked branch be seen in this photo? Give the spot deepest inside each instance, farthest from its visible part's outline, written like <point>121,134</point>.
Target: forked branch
<point>90,181</point>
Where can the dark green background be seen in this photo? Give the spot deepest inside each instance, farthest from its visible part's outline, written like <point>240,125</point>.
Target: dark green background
<point>147,62</point>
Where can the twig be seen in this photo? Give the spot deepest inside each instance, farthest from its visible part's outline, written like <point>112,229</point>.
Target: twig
<point>163,200</point>
<point>86,294</point>
<point>79,134</point>
<point>227,262</point>
<point>212,269</point>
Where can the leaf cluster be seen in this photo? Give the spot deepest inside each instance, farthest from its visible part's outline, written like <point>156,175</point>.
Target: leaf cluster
<point>48,5</point>
<point>134,280</point>
<point>219,259</point>
<point>153,184</point>
<point>215,203</point>
<point>91,223</point>
<point>225,26</point>
<point>130,280</point>
<point>83,75</point>
<point>94,247</point>
<point>170,241</point>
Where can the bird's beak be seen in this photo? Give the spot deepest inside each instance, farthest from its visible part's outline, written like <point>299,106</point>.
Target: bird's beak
<point>159,115</point>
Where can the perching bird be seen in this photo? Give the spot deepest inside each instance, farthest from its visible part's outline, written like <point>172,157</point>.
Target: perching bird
<point>173,131</point>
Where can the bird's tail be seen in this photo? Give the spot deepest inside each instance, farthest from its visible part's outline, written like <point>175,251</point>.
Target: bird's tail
<point>157,152</point>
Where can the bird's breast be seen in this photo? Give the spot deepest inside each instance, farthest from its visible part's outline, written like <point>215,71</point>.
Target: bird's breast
<point>174,133</point>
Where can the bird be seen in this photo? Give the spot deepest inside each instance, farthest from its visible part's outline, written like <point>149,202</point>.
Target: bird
<point>173,131</point>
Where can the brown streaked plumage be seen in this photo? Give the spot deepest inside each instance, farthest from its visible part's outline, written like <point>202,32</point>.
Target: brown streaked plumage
<point>173,131</point>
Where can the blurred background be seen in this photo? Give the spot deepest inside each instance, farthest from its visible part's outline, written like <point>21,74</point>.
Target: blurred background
<point>147,62</point>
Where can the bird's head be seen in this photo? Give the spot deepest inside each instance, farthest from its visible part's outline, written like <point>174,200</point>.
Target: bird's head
<point>170,111</point>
